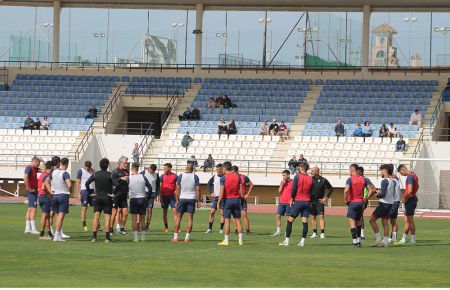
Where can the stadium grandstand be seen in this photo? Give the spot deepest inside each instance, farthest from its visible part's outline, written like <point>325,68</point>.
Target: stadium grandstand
<point>144,104</point>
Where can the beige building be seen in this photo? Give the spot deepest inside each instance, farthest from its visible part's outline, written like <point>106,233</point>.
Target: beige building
<point>383,53</point>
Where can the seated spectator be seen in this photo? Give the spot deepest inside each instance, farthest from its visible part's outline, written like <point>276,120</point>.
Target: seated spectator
<point>232,129</point>
<point>339,129</point>
<point>92,113</point>
<point>366,130</point>
<point>211,103</point>
<point>301,159</point>
<point>187,115</point>
<point>293,164</point>
<point>29,123</point>
<point>223,128</point>
<point>227,104</point>
<point>392,131</point>
<point>401,145</point>
<point>416,118</point>
<point>46,124</point>
<point>195,115</point>
<point>273,128</point>
<point>358,131</point>
<point>208,163</point>
<point>283,131</point>
<point>264,129</point>
<point>219,102</point>
<point>193,161</point>
<point>37,124</point>
<point>186,141</point>
<point>383,131</point>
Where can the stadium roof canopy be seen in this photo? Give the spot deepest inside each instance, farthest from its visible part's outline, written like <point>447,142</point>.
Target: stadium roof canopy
<point>254,5</point>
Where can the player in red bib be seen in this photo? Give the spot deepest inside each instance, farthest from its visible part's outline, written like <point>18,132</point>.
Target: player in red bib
<point>231,192</point>
<point>354,198</point>
<point>300,203</point>
<point>284,204</point>
<point>410,201</point>
<point>167,187</point>
<point>45,202</point>
<point>245,181</point>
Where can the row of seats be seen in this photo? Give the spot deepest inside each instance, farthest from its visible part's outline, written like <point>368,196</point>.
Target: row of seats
<point>315,154</point>
<point>79,89</point>
<point>349,133</point>
<point>49,101</point>
<point>346,146</point>
<point>216,137</point>
<point>40,95</point>
<point>201,130</point>
<point>376,95</point>
<point>242,111</point>
<point>276,88</point>
<point>51,120</point>
<point>35,146</point>
<point>38,112</point>
<point>273,100</point>
<point>258,81</point>
<point>73,78</point>
<point>383,112</point>
<point>42,133</point>
<point>17,82</point>
<point>14,156</point>
<point>251,93</point>
<point>378,88</point>
<point>408,83</point>
<point>248,118</point>
<point>52,126</point>
<point>330,126</point>
<point>156,80</point>
<point>226,144</point>
<point>350,140</point>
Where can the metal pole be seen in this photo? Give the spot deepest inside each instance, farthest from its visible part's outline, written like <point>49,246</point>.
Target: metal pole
<point>431,34</point>
<point>265,40</point>
<point>186,38</point>
<point>107,38</point>
<point>226,34</point>
<point>70,30</point>
<point>34,33</point>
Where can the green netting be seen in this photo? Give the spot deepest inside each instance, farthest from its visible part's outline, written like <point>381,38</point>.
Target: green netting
<point>315,61</point>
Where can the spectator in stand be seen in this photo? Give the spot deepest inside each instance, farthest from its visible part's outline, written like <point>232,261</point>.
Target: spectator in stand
<point>186,141</point>
<point>283,131</point>
<point>264,129</point>
<point>211,103</point>
<point>37,125</point>
<point>92,113</point>
<point>232,129</point>
<point>208,163</point>
<point>401,145</point>
<point>301,159</point>
<point>339,129</point>
<point>227,104</point>
<point>416,119</point>
<point>187,115</point>
<point>366,130</point>
<point>29,123</point>
<point>219,102</point>
<point>46,124</point>
<point>383,131</point>
<point>193,161</point>
<point>223,128</point>
<point>273,128</point>
<point>135,153</point>
<point>293,164</point>
<point>358,131</point>
<point>195,115</point>
<point>392,131</point>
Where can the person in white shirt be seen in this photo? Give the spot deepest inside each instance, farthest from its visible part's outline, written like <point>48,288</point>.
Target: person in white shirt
<point>395,206</point>
<point>416,118</point>
<point>386,197</point>
<point>392,131</point>
<point>83,174</point>
<point>59,183</point>
<point>214,191</point>
<point>138,188</point>
<point>187,195</point>
<point>153,178</point>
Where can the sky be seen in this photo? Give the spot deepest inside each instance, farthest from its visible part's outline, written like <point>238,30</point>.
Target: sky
<point>245,33</point>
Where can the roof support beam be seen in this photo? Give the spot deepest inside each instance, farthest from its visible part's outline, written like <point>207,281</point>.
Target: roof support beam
<point>56,29</point>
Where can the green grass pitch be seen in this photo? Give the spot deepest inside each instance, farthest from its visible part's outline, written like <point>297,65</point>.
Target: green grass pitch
<point>28,262</point>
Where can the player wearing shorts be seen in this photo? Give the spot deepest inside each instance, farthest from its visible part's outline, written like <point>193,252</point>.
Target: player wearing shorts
<point>284,204</point>
<point>103,198</point>
<point>386,199</point>
<point>167,195</point>
<point>300,203</point>
<point>60,180</point>
<point>31,188</point>
<point>321,191</point>
<point>214,191</point>
<point>45,202</point>
<point>410,201</point>
<point>369,188</point>
<point>152,177</point>
<point>188,197</point>
<point>120,196</point>
<point>231,193</point>
<point>354,199</point>
<point>395,206</point>
<point>245,181</point>
<point>83,175</point>
<point>139,188</point>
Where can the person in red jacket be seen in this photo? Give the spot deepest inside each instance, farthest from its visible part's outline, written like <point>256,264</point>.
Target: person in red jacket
<point>300,203</point>
<point>167,187</point>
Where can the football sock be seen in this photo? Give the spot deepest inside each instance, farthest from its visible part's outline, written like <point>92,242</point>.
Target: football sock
<point>413,238</point>
<point>84,223</point>
<point>278,230</point>
<point>188,236</point>
<point>394,236</point>
<point>358,231</point>
<point>305,230</point>
<point>221,226</point>
<point>41,234</point>
<point>241,237</point>
<point>166,225</point>
<point>322,231</point>
<point>210,226</point>
<point>226,238</point>
<point>377,237</point>
<point>288,229</point>
<point>315,231</point>
<point>94,235</point>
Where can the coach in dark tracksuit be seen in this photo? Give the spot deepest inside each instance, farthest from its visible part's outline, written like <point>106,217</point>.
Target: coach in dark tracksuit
<point>321,191</point>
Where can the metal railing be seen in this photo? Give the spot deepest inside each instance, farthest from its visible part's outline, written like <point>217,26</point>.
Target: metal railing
<point>84,142</point>
<point>437,111</point>
<point>270,166</point>
<point>217,66</point>
<point>114,102</point>
<point>169,108</point>
<point>128,128</point>
<point>145,141</point>
<point>132,90</point>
